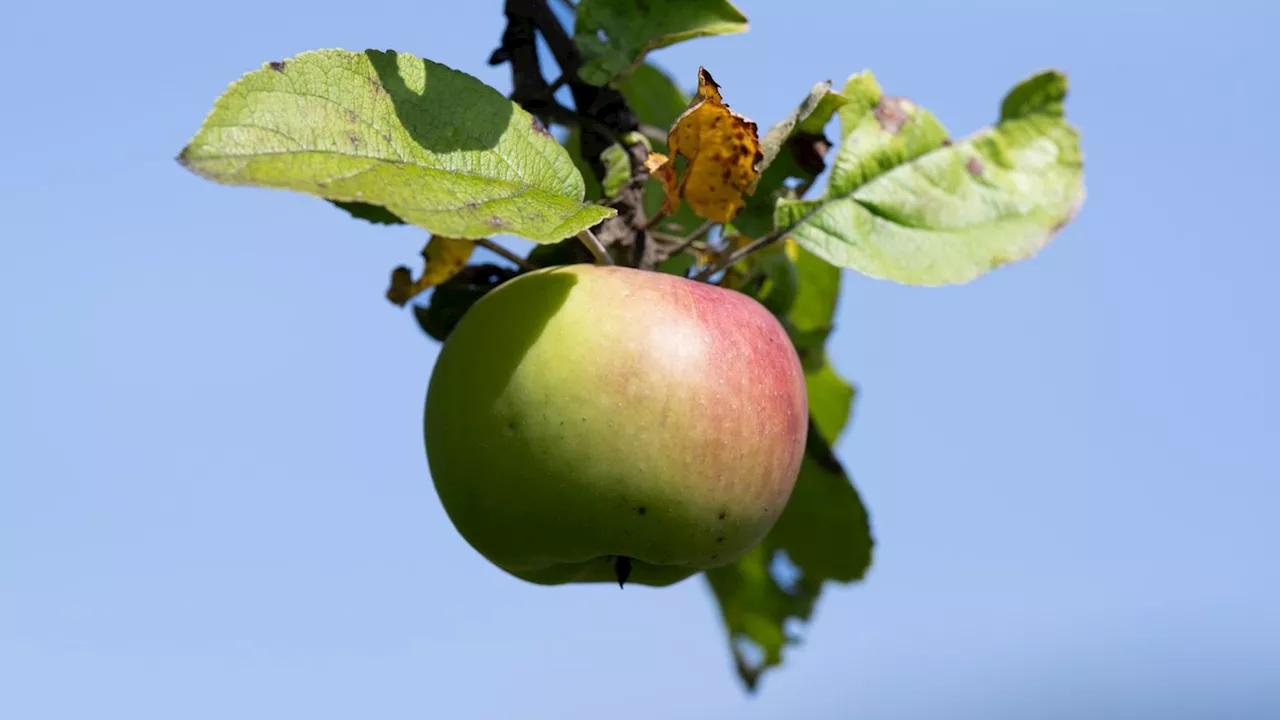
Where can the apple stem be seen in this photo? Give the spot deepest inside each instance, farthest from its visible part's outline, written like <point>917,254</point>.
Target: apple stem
<point>589,239</point>
<point>622,567</point>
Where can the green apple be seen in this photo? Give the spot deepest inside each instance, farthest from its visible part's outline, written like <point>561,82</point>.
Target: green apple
<point>587,423</point>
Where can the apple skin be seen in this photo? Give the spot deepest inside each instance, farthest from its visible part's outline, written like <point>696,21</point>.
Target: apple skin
<point>582,413</point>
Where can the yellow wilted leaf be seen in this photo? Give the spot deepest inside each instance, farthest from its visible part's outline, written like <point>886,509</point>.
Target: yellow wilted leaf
<point>661,167</point>
<point>723,149</point>
<point>444,258</point>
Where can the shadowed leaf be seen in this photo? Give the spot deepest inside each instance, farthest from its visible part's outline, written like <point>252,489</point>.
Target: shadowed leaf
<point>375,214</point>
<point>454,297</point>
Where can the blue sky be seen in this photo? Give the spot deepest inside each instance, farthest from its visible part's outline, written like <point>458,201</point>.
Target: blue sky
<point>214,501</point>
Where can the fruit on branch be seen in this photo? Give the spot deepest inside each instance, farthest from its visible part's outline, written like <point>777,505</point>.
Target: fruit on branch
<point>588,424</point>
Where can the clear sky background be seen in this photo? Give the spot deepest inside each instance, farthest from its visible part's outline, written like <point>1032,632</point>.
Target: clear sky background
<point>214,501</point>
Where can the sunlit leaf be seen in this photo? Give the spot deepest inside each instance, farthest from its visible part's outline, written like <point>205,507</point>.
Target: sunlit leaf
<point>443,257</point>
<point>615,35</point>
<point>906,205</point>
<point>573,145</point>
<point>793,149</point>
<point>723,150</point>
<point>809,118</point>
<point>433,146</point>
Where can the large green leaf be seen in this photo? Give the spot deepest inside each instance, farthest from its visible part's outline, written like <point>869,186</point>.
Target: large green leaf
<point>615,35</point>
<point>431,145</point>
<point>824,534</point>
<point>794,148</point>
<point>904,204</point>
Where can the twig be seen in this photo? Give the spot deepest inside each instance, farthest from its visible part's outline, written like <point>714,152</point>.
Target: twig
<point>737,255</point>
<point>654,133</point>
<point>657,218</point>
<point>703,229</point>
<point>683,243</point>
<point>497,249</point>
<point>589,239</point>
<point>680,243</point>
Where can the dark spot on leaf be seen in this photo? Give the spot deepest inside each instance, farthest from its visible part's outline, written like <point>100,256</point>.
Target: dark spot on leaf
<point>511,424</point>
<point>719,539</point>
<point>276,65</point>
<point>352,118</point>
<point>891,113</point>
<point>723,513</point>
<point>974,166</point>
<point>715,557</point>
<point>641,510</point>
<point>354,138</point>
<point>322,185</point>
<point>538,128</point>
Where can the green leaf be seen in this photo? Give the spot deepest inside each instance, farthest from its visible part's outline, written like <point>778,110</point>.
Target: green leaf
<point>825,529</point>
<point>653,96</point>
<point>573,145</point>
<point>755,608</point>
<point>617,169</point>
<point>903,204</point>
<point>433,146</point>
<point>792,148</point>
<point>809,118</point>
<point>824,534</point>
<point>830,399</point>
<point>615,35</point>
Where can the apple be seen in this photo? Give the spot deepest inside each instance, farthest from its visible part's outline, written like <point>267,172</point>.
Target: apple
<point>589,423</point>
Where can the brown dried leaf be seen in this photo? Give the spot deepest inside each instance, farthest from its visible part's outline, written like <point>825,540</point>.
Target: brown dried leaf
<point>444,258</point>
<point>660,166</point>
<point>723,149</point>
